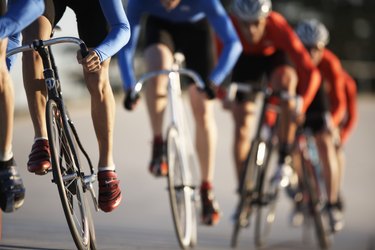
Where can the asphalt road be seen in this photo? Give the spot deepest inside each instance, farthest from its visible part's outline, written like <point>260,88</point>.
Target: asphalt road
<point>143,220</point>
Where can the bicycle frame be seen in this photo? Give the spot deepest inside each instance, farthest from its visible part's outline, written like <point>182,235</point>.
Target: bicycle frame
<point>181,159</point>
<point>174,95</point>
<point>67,172</point>
<point>52,81</point>
<point>258,184</point>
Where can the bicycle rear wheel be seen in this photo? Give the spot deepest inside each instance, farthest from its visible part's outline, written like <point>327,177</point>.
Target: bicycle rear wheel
<point>267,194</point>
<point>181,195</point>
<point>66,175</point>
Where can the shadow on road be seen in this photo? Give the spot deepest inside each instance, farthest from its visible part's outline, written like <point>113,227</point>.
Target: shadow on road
<point>12,247</point>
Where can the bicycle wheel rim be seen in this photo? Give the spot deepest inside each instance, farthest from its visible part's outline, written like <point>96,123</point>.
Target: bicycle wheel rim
<point>180,195</point>
<point>247,185</point>
<point>267,190</point>
<point>316,209</point>
<point>66,176</point>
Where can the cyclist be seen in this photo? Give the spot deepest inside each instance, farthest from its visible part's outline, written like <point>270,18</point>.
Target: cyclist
<point>271,51</point>
<point>327,109</point>
<point>93,18</point>
<point>182,25</point>
<point>19,15</point>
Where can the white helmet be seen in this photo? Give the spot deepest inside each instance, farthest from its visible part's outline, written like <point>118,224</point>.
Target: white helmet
<point>312,33</point>
<point>251,10</point>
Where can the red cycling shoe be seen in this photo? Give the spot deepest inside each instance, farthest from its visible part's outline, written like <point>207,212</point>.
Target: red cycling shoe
<point>210,207</point>
<point>39,157</point>
<point>109,190</point>
<point>158,164</point>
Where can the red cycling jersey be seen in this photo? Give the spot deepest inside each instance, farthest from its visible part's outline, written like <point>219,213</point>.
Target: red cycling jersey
<point>280,36</point>
<point>350,119</point>
<point>332,75</point>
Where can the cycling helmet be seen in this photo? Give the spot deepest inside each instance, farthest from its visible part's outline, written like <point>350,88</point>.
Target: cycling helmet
<point>12,190</point>
<point>251,10</point>
<point>312,33</point>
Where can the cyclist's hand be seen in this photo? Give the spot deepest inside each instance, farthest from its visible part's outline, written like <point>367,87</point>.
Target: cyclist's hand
<point>129,102</point>
<point>91,63</point>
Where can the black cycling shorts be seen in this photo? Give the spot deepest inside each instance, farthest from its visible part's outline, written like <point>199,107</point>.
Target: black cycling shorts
<point>91,23</point>
<point>252,68</point>
<point>194,40</point>
<point>315,115</point>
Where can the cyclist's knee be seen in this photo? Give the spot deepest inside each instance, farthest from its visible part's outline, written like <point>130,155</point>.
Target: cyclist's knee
<point>285,78</point>
<point>158,56</point>
<point>39,29</point>
<point>98,82</point>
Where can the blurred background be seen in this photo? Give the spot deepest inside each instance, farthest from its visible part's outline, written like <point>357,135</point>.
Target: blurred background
<point>350,22</point>
<point>351,25</point>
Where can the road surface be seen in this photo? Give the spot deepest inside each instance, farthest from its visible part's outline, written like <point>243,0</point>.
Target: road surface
<point>143,220</point>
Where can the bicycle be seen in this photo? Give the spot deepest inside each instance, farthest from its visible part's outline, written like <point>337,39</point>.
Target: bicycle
<point>72,177</point>
<point>181,157</point>
<point>313,187</point>
<point>260,180</point>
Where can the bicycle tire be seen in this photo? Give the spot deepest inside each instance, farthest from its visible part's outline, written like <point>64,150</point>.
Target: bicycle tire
<point>267,195</point>
<point>66,175</point>
<point>310,184</point>
<point>246,186</point>
<point>180,194</point>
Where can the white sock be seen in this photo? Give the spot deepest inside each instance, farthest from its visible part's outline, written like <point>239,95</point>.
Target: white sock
<point>40,138</point>
<point>107,168</point>
<point>6,156</point>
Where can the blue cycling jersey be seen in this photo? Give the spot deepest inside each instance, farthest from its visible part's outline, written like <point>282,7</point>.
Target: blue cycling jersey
<point>119,29</point>
<point>20,14</point>
<point>186,11</point>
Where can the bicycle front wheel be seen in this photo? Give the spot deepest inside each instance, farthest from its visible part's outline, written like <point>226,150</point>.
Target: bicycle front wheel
<point>66,175</point>
<point>310,184</point>
<point>267,192</point>
<point>247,184</point>
<point>181,194</point>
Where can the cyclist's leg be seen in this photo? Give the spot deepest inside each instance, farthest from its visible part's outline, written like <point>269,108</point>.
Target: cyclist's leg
<point>329,160</point>
<point>36,94</point>
<point>328,156</point>
<point>285,78</point>
<point>206,139</point>
<point>158,55</point>
<point>199,57</point>
<point>12,191</point>
<point>102,112</point>
<point>6,106</point>
<point>243,115</point>
<point>102,102</point>
<point>341,163</point>
<point>205,132</point>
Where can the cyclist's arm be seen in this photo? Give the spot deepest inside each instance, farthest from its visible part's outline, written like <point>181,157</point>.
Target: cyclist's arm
<point>351,102</point>
<point>308,74</point>
<point>126,54</point>
<point>232,47</point>
<point>19,15</point>
<point>119,29</point>
<point>331,69</point>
